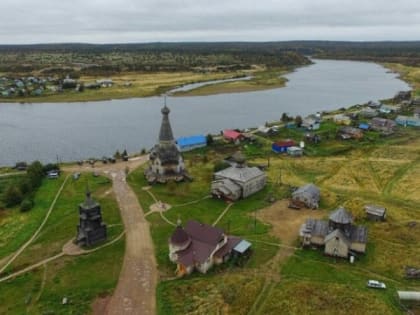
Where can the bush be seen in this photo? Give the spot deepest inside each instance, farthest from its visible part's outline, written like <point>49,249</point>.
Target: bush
<point>220,165</point>
<point>50,167</point>
<point>12,196</point>
<point>26,205</point>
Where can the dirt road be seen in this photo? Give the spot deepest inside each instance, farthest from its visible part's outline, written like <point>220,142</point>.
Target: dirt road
<point>135,292</point>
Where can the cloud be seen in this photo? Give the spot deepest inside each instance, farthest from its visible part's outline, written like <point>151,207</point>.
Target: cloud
<point>105,21</point>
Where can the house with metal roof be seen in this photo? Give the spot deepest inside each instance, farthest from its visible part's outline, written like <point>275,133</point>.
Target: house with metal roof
<point>238,181</point>
<point>281,146</point>
<point>408,121</point>
<point>191,143</point>
<point>232,135</point>
<point>199,246</point>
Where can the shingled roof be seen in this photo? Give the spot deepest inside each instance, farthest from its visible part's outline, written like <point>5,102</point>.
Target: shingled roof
<point>165,133</point>
<point>341,216</point>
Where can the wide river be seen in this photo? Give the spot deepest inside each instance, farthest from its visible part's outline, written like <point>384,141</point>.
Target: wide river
<point>73,131</point>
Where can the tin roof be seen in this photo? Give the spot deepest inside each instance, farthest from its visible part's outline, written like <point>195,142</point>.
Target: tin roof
<point>192,140</point>
<point>240,174</point>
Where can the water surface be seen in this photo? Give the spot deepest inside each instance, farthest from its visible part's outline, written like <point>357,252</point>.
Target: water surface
<point>72,131</point>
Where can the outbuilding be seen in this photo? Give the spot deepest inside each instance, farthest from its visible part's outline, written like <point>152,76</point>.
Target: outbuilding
<point>295,151</point>
<point>281,146</point>
<point>191,143</point>
<point>375,213</point>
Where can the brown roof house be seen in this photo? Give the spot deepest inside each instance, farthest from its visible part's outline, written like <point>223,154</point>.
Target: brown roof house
<point>199,246</point>
<point>385,126</point>
<point>338,236</point>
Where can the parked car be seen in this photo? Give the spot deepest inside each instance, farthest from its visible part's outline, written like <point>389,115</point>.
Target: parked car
<point>53,174</point>
<point>376,284</point>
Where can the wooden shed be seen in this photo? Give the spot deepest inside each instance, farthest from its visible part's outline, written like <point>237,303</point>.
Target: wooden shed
<point>375,213</point>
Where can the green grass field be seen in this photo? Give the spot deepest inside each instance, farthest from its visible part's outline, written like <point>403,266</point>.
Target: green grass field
<point>80,279</point>
<point>352,174</point>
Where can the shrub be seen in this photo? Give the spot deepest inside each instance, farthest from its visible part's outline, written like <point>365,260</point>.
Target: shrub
<point>12,196</point>
<point>26,205</point>
<point>220,165</point>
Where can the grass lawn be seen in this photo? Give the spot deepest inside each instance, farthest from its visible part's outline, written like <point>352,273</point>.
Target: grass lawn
<point>80,279</point>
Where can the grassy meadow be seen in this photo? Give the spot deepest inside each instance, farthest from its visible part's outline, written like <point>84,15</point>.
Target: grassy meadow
<point>352,173</point>
<point>81,279</point>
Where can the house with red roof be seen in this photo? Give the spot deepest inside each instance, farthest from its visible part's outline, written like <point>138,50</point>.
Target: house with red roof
<point>232,135</point>
<point>199,246</point>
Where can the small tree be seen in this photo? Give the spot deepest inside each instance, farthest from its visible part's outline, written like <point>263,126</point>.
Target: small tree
<point>298,121</point>
<point>284,117</point>
<point>209,139</point>
<point>26,205</point>
<point>117,155</point>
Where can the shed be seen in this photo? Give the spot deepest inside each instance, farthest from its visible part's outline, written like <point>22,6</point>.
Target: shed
<point>295,151</point>
<point>281,146</point>
<point>375,213</point>
<point>337,244</point>
<point>410,296</point>
<point>191,143</point>
<point>242,247</point>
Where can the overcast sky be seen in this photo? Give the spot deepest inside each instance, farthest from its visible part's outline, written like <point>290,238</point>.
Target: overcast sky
<point>121,21</point>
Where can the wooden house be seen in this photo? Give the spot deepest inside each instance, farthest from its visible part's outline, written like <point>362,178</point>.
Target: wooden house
<point>199,246</point>
<point>338,234</point>
<point>337,244</point>
<point>385,126</point>
<point>238,181</point>
<point>375,213</point>
<point>353,133</point>
<point>309,194</point>
<point>341,119</point>
<point>232,135</point>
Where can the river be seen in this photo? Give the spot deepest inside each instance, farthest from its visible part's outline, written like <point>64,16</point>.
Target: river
<point>73,131</point>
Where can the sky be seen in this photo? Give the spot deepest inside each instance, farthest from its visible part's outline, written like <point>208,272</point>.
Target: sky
<point>135,21</point>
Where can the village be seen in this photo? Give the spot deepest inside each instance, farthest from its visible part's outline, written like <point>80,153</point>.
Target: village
<point>284,201</point>
<point>41,86</point>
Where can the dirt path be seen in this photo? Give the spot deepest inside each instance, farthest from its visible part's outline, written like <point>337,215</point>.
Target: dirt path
<point>135,291</point>
<point>277,214</point>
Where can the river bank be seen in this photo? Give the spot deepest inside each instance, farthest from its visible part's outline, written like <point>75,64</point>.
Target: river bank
<point>409,74</point>
<point>261,80</point>
<point>140,85</point>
